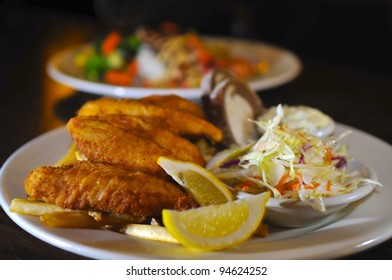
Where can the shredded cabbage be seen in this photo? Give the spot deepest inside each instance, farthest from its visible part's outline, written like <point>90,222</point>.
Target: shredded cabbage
<point>289,163</point>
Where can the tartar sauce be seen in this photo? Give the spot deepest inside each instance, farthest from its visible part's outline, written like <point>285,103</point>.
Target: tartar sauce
<point>310,119</point>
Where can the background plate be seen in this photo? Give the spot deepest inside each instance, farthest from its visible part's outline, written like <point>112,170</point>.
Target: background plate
<point>284,67</point>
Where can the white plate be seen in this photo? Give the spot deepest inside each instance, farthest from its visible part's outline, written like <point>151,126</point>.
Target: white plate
<point>284,66</point>
<point>361,226</point>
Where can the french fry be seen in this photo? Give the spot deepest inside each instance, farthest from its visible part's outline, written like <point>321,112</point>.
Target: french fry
<point>87,219</point>
<point>35,208</point>
<point>74,219</point>
<point>69,157</point>
<point>150,232</point>
<point>55,216</point>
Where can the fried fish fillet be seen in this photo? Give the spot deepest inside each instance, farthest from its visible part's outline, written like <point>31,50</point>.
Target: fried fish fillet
<point>178,122</point>
<point>87,185</point>
<point>175,102</point>
<point>180,147</point>
<point>100,141</point>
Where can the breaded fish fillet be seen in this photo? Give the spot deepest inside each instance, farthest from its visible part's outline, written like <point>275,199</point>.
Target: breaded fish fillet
<point>182,148</point>
<point>175,102</point>
<point>100,141</point>
<point>178,122</point>
<point>102,187</point>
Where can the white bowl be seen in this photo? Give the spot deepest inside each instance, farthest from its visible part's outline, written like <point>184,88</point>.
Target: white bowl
<point>294,213</point>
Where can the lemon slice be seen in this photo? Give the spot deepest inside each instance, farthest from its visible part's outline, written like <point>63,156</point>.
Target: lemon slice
<point>216,227</point>
<point>201,184</point>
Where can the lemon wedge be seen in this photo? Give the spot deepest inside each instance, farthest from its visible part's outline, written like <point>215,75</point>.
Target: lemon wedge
<point>216,227</point>
<point>200,183</point>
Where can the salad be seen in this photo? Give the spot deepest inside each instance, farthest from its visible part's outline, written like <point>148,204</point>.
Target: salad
<point>159,58</point>
<point>290,163</point>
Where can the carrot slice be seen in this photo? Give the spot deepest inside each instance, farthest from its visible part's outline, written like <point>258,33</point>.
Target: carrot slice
<point>117,77</point>
<point>110,42</point>
<point>132,68</point>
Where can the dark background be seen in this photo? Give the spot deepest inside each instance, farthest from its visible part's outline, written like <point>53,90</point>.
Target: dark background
<point>356,33</point>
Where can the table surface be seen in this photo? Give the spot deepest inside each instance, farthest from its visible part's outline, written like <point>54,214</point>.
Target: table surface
<point>32,103</point>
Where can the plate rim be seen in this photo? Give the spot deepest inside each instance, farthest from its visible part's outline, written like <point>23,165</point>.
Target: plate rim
<point>103,89</point>
<point>99,253</point>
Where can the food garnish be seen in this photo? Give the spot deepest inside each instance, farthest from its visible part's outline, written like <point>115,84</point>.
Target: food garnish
<point>217,227</point>
<point>198,181</point>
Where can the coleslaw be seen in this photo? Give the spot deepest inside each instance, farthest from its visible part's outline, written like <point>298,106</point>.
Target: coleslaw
<point>290,163</point>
